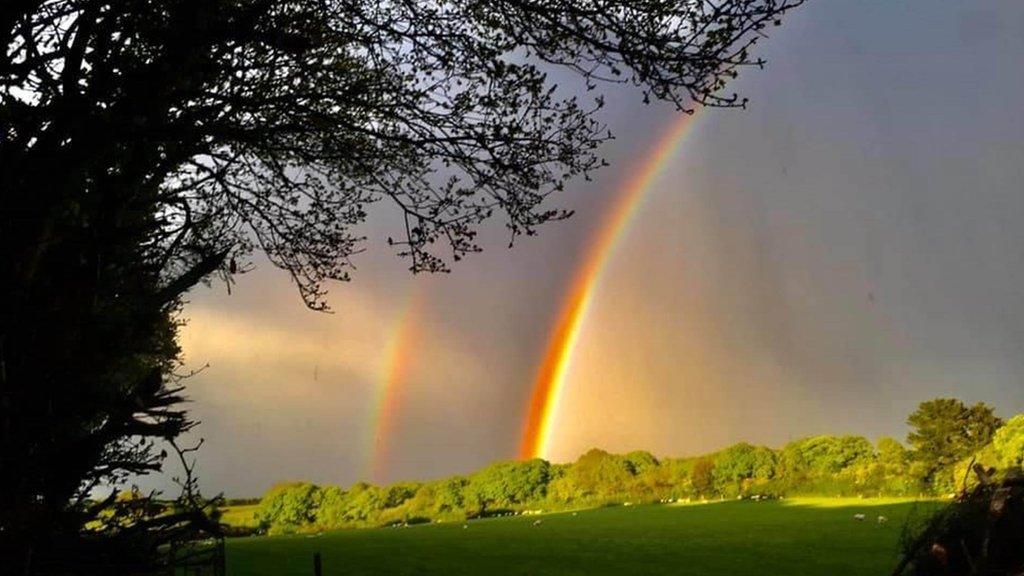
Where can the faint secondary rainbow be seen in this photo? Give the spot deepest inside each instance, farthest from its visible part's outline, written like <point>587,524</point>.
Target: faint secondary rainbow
<point>399,355</point>
<point>549,382</point>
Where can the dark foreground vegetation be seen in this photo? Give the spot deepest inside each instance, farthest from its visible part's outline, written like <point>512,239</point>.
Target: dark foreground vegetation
<point>947,438</point>
<point>982,532</point>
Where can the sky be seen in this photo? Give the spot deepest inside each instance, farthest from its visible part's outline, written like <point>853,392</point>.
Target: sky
<point>846,247</point>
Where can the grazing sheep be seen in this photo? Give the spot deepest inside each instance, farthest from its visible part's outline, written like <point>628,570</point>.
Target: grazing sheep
<point>859,517</point>
<point>573,513</point>
<point>464,526</point>
<point>882,519</point>
<point>537,522</point>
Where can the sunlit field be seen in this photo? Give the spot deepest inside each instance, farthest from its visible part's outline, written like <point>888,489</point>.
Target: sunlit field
<point>242,515</point>
<point>798,536</point>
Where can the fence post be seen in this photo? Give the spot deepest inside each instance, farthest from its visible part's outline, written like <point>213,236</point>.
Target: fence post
<point>318,569</point>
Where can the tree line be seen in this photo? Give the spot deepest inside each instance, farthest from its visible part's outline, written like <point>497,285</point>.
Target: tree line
<point>946,437</point>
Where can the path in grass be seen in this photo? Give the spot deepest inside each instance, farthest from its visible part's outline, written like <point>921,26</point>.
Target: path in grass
<point>802,537</point>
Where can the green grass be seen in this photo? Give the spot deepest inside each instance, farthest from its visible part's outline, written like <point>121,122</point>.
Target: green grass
<point>802,537</point>
<point>241,515</point>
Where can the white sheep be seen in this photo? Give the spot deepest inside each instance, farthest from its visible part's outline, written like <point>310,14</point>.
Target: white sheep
<point>537,522</point>
<point>882,519</point>
<point>859,517</point>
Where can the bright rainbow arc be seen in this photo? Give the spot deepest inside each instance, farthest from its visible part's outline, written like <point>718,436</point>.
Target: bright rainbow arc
<point>549,383</point>
<point>399,355</point>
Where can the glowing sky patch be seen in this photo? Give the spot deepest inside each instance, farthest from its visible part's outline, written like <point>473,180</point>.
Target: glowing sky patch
<point>550,379</point>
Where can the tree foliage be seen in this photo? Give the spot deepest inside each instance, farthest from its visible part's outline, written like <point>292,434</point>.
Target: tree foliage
<point>506,485</point>
<point>741,462</point>
<point>1008,442</point>
<point>289,505</point>
<point>945,430</point>
<point>595,477</point>
<point>703,477</point>
<point>829,454</point>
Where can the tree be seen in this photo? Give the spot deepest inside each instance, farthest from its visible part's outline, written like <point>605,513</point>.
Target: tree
<point>1008,442</point>
<point>832,454</point>
<point>148,146</point>
<point>596,476</point>
<point>333,509</point>
<point>641,462</point>
<point>703,476</point>
<point>671,478</point>
<point>365,502</point>
<point>892,456</point>
<point>448,495</point>
<point>945,430</point>
<point>741,462</point>
<point>288,505</point>
<point>506,484</point>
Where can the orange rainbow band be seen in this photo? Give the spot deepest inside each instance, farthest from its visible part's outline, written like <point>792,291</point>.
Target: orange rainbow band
<point>398,360</point>
<point>550,379</point>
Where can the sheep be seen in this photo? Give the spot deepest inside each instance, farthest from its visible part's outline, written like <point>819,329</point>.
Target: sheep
<point>882,519</point>
<point>537,522</point>
<point>859,517</point>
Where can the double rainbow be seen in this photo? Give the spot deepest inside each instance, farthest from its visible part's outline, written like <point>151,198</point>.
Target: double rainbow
<point>550,379</point>
<point>549,383</point>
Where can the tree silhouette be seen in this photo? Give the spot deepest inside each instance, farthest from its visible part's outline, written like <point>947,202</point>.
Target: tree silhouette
<point>945,430</point>
<point>149,145</point>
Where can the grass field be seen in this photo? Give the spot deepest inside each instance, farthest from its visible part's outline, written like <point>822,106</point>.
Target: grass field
<point>242,516</point>
<point>802,537</point>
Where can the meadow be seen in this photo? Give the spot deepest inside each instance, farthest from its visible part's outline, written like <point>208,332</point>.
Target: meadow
<point>240,516</point>
<point>799,536</point>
